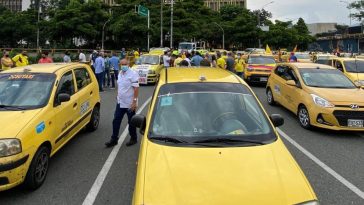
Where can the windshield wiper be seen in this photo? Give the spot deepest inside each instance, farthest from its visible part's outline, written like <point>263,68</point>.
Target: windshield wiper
<point>229,140</point>
<point>168,139</point>
<point>10,107</point>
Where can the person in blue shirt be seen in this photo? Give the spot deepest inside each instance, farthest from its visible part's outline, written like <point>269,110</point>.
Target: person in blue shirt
<point>99,70</point>
<point>292,58</point>
<point>196,59</point>
<point>114,68</point>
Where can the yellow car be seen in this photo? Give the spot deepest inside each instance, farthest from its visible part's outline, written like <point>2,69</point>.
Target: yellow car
<point>352,68</point>
<point>208,140</point>
<point>259,68</point>
<point>303,57</point>
<point>41,108</point>
<point>325,59</point>
<point>319,95</point>
<point>148,67</point>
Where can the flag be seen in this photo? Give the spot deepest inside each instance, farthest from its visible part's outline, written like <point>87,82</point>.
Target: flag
<point>267,50</point>
<point>295,49</point>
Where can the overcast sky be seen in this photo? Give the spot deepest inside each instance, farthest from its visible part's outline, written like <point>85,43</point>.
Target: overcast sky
<point>312,11</point>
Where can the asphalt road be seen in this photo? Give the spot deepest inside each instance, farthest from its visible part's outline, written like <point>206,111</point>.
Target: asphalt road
<point>74,169</point>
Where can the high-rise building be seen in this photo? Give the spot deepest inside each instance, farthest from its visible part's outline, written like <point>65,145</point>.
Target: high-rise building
<point>217,4</point>
<point>12,5</point>
<point>109,2</point>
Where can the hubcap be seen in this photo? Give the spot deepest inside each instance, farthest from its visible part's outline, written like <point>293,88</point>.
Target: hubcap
<point>303,116</point>
<point>269,96</point>
<point>42,167</point>
<point>96,118</point>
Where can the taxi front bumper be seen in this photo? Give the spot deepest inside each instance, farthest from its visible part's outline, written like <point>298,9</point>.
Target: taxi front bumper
<point>13,171</point>
<point>257,77</point>
<point>337,118</point>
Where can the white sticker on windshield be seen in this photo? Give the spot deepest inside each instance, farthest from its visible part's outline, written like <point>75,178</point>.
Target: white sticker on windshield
<point>306,75</point>
<point>166,101</point>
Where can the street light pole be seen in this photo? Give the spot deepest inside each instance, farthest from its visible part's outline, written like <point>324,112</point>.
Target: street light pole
<point>162,23</point>
<point>103,35</point>
<point>38,32</point>
<point>148,29</point>
<point>223,35</point>
<point>171,37</point>
<point>259,41</point>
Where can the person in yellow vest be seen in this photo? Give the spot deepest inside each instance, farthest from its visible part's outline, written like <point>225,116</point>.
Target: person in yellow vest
<point>21,59</point>
<point>136,54</point>
<point>221,63</point>
<point>6,62</point>
<point>240,66</point>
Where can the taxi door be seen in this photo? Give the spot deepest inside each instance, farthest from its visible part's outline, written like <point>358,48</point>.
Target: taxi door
<point>65,112</point>
<point>84,93</point>
<point>292,94</point>
<point>277,82</point>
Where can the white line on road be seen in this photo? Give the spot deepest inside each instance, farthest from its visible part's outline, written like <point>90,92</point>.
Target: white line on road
<point>337,176</point>
<point>94,191</point>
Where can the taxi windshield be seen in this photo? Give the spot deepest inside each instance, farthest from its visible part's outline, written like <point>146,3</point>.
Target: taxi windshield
<point>303,56</point>
<point>195,112</point>
<point>262,60</point>
<point>325,78</point>
<point>25,90</point>
<point>151,60</point>
<point>354,66</point>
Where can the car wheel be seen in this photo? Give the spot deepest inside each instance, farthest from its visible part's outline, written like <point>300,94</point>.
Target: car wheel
<point>38,169</point>
<point>270,98</point>
<point>304,117</point>
<point>95,120</point>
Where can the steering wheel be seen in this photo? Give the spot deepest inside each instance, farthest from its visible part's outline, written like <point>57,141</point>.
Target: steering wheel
<point>222,117</point>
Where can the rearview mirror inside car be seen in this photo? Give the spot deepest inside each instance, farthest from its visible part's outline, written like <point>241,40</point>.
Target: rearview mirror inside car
<point>277,120</point>
<point>291,82</point>
<point>139,121</point>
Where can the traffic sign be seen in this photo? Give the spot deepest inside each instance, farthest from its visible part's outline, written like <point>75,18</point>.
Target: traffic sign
<point>143,11</point>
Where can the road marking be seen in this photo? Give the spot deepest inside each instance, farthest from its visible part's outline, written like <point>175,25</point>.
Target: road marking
<point>94,191</point>
<point>337,176</point>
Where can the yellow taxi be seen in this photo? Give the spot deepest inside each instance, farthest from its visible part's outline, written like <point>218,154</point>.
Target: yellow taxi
<point>319,95</point>
<point>148,67</point>
<point>303,57</point>
<point>41,108</point>
<point>325,59</point>
<point>259,67</point>
<point>208,140</point>
<point>353,68</point>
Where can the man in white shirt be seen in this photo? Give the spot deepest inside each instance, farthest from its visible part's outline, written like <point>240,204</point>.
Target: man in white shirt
<point>166,59</point>
<point>82,57</point>
<point>127,103</point>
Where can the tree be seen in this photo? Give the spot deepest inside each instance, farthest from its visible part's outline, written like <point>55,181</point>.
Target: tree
<point>359,7</point>
<point>303,34</point>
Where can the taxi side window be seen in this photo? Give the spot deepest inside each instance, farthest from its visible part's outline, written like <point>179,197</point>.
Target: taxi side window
<point>339,66</point>
<point>282,72</point>
<point>82,78</point>
<point>294,76</point>
<point>66,84</point>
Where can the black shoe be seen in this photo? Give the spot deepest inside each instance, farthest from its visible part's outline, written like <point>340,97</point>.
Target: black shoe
<point>111,143</point>
<point>131,142</point>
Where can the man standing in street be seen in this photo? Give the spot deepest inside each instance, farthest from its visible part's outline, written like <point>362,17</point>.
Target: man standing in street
<point>114,66</point>
<point>99,70</point>
<point>196,59</point>
<point>45,58</point>
<point>127,103</point>
<point>292,58</point>
<point>230,62</point>
<point>166,59</point>
<point>221,63</point>
<point>82,57</point>
<point>21,59</point>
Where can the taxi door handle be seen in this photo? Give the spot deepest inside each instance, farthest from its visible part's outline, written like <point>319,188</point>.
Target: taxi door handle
<point>74,105</point>
<point>91,93</point>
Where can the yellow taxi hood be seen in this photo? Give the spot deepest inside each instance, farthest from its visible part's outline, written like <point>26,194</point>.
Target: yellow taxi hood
<point>239,175</point>
<point>12,122</point>
<point>355,76</point>
<point>333,95</point>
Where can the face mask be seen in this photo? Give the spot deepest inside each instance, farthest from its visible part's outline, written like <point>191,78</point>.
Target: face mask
<point>124,68</point>
<point>7,56</point>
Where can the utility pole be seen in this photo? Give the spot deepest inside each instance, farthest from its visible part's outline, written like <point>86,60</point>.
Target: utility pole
<point>38,32</point>
<point>162,23</point>
<point>148,29</point>
<point>172,2</point>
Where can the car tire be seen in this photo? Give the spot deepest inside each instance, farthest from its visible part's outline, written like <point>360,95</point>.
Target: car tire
<point>270,98</point>
<point>303,117</point>
<point>95,120</point>
<point>38,169</point>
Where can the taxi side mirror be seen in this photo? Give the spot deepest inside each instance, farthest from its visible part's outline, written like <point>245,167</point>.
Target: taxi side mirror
<point>63,97</point>
<point>277,120</point>
<point>139,121</point>
<point>291,82</point>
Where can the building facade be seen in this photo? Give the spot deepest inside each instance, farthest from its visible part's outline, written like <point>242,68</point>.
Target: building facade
<point>12,5</point>
<point>217,4</point>
<point>109,2</point>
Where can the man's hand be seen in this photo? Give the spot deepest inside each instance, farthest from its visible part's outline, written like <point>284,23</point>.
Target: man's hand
<point>134,106</point>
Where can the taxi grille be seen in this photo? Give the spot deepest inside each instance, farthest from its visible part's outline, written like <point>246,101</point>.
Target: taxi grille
<point>343,116</point>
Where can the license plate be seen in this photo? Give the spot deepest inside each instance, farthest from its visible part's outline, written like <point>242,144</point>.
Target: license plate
<point>263,79</point>
<point>355,123</point>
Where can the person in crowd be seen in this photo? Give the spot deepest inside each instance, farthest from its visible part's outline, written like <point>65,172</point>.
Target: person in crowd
<point>114,69</point>
<point>172,58</point>
<point>224,55</point>
<point>93,57</point>
<point>230,62</point>
<point>206,61</point>
<point>66,57</point>
<point>82,57</point>
<point>45,58</point>
<point>213,61</point>
<point>178,60</point>
<point>99,70</point>
<point>196,59</point>
<point>188,59</point>
<point>107,77</point>
<point>240,66</point>
<point>122,53</point>
<point>6,62</point>
<point>136,54</point>
<point>21,59</point>
<point>166,59</point>
<point>127,103</point>
<point>292,58</point>
<point>221,63</point>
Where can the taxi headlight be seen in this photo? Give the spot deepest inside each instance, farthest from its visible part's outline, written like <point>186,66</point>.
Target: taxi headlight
<point>321,101</point>
<point>151,72</point>
<point>9,147</point>
<point>309,203</point>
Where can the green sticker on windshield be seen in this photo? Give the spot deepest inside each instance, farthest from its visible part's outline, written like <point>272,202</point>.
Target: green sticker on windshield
<point>166,101</point>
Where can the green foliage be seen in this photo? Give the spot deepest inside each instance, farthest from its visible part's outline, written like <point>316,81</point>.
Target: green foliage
<point>358,6</point>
